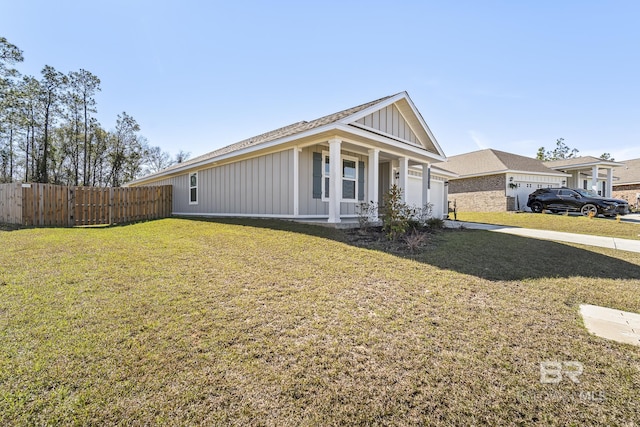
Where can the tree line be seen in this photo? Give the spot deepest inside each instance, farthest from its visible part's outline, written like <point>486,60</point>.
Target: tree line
<point>563,151</point>
<point>49,132</point>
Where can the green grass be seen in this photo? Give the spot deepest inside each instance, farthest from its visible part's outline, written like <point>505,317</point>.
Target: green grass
<point>247,322</point>
<point>557,222</point>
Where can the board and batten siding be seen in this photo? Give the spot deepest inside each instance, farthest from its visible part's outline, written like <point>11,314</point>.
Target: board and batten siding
<point>389,120</point>
<point>310,206</point>
<point>259,186</point>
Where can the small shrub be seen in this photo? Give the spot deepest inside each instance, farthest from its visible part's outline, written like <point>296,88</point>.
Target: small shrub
<point>399,217</point>
<point>397,214</point>
<point>424,214</point>
<point>435,223</point>
<point>415,240</point>
<point>366,211</point>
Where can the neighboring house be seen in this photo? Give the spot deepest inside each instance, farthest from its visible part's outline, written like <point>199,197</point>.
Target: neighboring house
<point>320,169</point>
<point>627,186</point>
<point>590,173</point>
<point>496,181</point>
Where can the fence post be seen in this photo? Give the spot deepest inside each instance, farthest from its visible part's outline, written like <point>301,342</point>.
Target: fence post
<point>110,205</point>
<point>71,203</point>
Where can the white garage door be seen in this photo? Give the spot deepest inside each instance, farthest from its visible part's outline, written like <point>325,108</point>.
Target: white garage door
<point>436,195</point>
<point>522,194</point>
<point>523,191</point>
<point>437,199</point>
<point>414,191</point>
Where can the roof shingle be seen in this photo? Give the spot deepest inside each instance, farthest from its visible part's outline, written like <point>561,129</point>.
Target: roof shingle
<point>629,173</point>
<point>490,161</point>
<point>282,132</point>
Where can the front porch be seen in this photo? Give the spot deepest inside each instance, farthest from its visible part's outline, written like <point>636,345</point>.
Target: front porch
<point>366,181</point>
<point>589,173</point>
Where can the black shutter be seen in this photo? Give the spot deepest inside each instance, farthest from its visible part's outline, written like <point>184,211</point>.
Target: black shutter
<point>360,180</point>
<point>317,175</point>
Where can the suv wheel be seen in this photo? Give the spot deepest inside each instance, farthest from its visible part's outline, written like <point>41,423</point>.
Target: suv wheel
<point>536,207</point>
<point>586,209</point>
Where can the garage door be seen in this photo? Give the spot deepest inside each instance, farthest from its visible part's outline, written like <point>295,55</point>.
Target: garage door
<point>522,194</point>
<point>436,196</point>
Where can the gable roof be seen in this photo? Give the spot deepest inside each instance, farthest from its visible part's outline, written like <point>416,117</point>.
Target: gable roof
<point>629,172</point>
<point>418,134</point>
<point>580,162</point>
<point>491,162</point>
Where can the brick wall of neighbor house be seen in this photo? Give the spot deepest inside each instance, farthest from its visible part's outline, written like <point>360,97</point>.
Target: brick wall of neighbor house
<point>627,192</point>
<point>480,194</point>
<point>481,201</point>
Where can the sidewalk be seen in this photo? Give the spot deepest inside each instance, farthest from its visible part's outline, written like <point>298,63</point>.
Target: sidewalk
<point>557,236</point>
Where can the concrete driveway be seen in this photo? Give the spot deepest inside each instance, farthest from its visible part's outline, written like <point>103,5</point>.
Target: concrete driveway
<point>556,236</point>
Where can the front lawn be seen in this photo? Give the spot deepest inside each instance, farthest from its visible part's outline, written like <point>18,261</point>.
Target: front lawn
<point>556,222</point>
<point>250,322</point>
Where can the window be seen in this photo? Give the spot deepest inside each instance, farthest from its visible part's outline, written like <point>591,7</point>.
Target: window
<point>193,188</point>
<point>352,178</point>
<point>325,176</point>
<point>349,169</point>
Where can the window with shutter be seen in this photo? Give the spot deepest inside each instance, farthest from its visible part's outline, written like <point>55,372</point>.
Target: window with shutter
<point>352,171</point>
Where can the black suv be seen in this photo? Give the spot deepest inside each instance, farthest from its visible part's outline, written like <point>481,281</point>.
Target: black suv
<point>575,200</point>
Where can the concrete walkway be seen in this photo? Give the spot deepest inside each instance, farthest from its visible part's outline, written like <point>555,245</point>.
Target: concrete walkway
<point>618,325</point>
<point>556,236</point>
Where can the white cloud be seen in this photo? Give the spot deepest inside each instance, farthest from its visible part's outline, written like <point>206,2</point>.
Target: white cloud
<point>478,139</point>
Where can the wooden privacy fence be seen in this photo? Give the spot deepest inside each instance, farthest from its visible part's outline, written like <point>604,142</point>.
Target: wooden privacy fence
<point>56,205</point>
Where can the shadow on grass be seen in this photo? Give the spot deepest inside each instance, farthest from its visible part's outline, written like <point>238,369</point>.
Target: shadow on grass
<point>498,256</point>
<point>485,254</point>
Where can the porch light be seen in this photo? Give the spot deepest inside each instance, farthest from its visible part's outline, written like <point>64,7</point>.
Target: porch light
<point>397,175</point>
<point>564,181</point>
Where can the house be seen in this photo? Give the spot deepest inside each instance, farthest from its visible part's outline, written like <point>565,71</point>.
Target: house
<point>320,169</point>
<point>496,181</point>
<point>627,186</point>
<point>590,173</point>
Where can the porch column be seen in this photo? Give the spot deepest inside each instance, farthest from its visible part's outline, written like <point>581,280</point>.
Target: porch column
<point>296,181</point>
<point>609,186</point>
<point>426,184</point>
<point>335,180</point>
<point>594,178</point>
<point>372,188</point>
<point>403,180</point>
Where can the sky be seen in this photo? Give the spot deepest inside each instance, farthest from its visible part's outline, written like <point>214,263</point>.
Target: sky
<point>200,75</point>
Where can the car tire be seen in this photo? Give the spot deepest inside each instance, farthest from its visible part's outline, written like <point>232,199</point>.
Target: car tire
<point>536,207</point>
<point>589,208</point>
